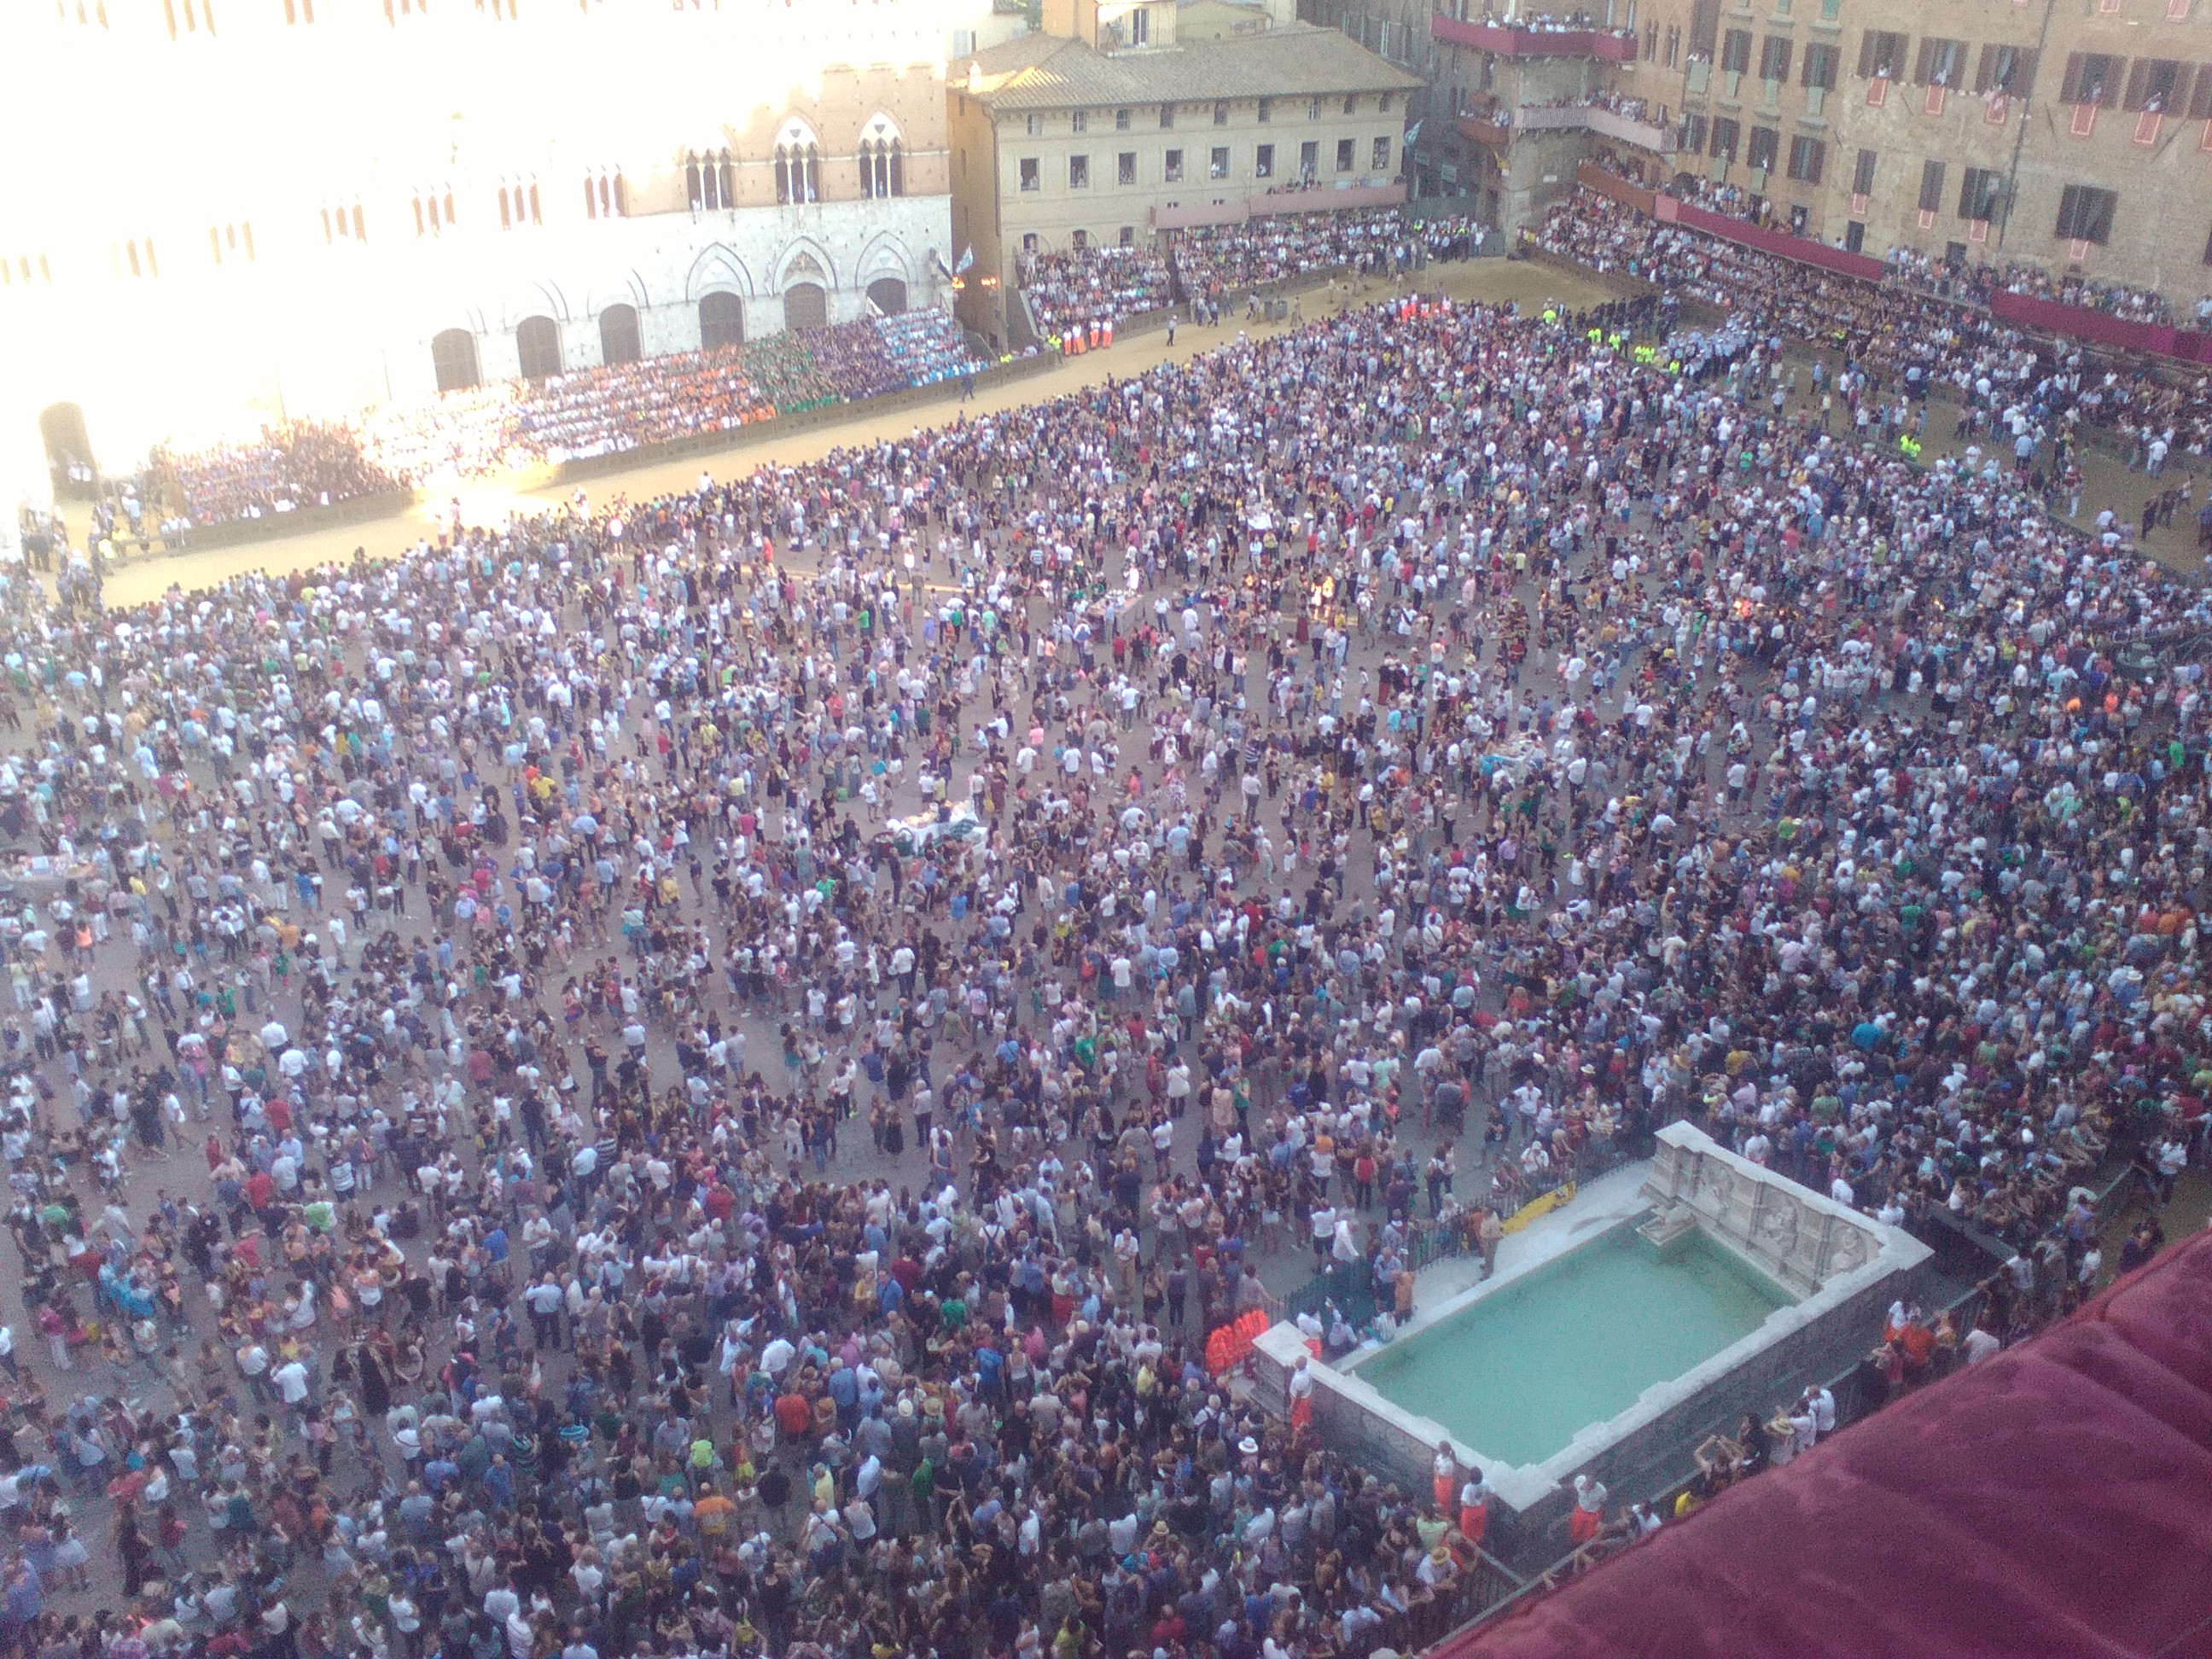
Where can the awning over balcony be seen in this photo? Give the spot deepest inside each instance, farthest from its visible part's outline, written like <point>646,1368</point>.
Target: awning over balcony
<point>1509,41</point>
<point>1568,117</point>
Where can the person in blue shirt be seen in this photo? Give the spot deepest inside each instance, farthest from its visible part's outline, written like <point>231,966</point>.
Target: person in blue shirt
<point>990,1371</point>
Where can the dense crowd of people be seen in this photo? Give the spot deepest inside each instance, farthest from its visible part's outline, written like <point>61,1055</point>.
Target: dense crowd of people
<point>1971,282</point>
<point>1404,756</point>
<point>1214,261</point>
<point>600,410</point>
<point>2073,288</point>
<point>1921,329</point>
<point>1087,293</point>
<point>1075,290</point>
<point>293,463</point>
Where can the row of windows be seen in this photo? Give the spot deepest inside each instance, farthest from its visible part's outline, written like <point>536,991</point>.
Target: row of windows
<point>235,240</point>
<point>2091,78</point>
<point>303,11</point>
<point>1036,124</point>
<point>1723,136</point>
<point>513,200</point>
<point>195,14</point>
<point>2085,211</point>
<point>188,17</point>
<point>721,324</point>
<point>1777,54</point>
<point>18,270</point>
<point>1078,239</point>
<point>2145,83</point>
<point>1030,170</point>
<point>711,181</point>
<point>1704,32</point>
<point>605,195</point>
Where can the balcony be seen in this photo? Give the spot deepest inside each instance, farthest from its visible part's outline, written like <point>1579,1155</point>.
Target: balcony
<point>1606,123</point>
<point>1509,41</point>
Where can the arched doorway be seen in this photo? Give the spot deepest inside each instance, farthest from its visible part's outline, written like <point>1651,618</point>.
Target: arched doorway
<point>618,336</point>
<point>454,356</point>
<point>721,321</point>
<point>806,304</point>
<point>539,341</point>
<point>889,294</point>
<point>68,453</point>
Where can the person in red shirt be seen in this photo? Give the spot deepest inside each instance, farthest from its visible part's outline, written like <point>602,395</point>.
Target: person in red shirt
<point>793,1416</point>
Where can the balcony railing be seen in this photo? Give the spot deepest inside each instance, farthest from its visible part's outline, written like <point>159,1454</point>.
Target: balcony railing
<point>1510,41</point>
<point>1607,123</point>
<point>1595,118</point>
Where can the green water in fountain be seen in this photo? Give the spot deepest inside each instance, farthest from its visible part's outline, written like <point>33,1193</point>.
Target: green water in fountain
<point>1573,1342</point>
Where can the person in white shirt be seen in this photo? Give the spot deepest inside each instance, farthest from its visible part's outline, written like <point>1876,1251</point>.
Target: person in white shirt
<point>1823,1402</point>
<point>291,1381</point>
<point>253,1365</point>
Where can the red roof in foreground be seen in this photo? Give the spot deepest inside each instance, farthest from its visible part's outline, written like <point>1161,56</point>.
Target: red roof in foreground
<point>2055,1500</point>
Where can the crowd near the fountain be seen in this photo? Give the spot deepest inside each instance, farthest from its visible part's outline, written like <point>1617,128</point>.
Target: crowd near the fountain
<point>1346,779</point>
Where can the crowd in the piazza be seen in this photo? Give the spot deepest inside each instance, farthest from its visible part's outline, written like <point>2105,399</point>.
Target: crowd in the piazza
<point>600,410</point>
<point>2030,399</point>
<point>1079,289</point>
<point>290,465</point>
<point>1085,293</point>
<point>1971,281</point>
<point>1349,778</point>
<point>1216,260</point>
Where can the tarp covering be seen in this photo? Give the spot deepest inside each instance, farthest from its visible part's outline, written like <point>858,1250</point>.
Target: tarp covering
<point>2055,1500</point>
<point>2081,323</point>
<point>2021,310</point>
<point>1803,249</point>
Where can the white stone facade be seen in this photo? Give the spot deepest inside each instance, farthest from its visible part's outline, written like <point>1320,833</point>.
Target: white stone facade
<point>663,266</point>
<point>282,203</point>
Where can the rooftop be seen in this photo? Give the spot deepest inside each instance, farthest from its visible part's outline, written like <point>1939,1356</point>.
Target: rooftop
<point>1293,60</point>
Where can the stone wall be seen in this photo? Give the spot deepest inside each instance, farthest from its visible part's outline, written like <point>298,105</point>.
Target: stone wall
<point>1798,1237</point>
